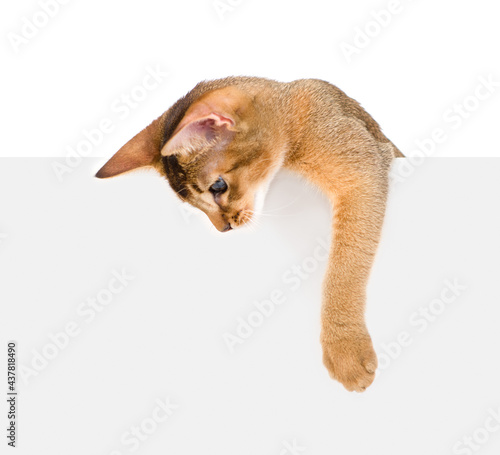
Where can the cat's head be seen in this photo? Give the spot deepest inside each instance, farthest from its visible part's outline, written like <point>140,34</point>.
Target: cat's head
<point>213,150</point>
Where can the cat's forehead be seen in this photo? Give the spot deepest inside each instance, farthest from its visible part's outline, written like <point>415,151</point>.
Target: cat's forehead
<point>190,176</point>
<point>196,173</point>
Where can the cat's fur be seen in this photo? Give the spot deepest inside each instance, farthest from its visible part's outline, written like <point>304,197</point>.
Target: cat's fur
<point>244,129</point>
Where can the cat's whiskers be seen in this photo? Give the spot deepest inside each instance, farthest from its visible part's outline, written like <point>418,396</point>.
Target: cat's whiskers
<point>252,224</point>
<point>249,220</point>
<point>273,212</point>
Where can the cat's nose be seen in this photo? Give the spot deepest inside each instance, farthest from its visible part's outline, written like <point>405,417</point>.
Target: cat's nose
<point>219,221</point>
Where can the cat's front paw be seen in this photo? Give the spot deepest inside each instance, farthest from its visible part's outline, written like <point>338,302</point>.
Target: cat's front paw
<point>350,358</point>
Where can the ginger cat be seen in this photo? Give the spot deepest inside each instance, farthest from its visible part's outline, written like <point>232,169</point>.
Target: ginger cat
<point>221,144</point>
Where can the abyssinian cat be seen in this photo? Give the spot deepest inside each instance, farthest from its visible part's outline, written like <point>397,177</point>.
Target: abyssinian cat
<point>221,144</point>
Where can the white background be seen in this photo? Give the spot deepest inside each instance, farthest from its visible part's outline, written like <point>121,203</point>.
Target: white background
<point>163,335</point>
<point>68,75</point>
<point>62,235</point>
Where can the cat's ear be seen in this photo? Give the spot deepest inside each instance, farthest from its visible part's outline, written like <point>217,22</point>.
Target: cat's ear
<point>214,129</point>
<point>213,120</point>
<point>142,150</point>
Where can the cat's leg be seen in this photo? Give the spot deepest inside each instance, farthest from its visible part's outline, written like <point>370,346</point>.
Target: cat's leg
<point>359,207</point>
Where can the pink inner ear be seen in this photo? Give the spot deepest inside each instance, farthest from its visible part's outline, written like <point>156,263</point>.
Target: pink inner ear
<point>221,120</point>
<point>196,131</point>
<point>205,127</point>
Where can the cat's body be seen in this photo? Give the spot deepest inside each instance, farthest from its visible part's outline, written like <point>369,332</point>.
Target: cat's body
<point>221,144</point>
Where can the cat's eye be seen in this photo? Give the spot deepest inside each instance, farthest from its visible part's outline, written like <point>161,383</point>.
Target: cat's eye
<point>219,186</point>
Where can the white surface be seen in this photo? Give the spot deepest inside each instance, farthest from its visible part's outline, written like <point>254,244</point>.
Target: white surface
<point>71,75</point>
<point>63,233</point>
<point>162,336</point>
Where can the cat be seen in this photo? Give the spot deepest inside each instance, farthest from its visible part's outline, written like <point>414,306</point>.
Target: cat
<point>221,144</point>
